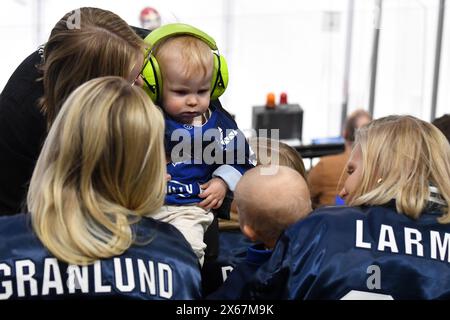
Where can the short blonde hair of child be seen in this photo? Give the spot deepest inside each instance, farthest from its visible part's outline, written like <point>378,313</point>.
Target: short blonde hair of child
<point>194,55</point>
<point>270,151</point>
<point>271,203</point>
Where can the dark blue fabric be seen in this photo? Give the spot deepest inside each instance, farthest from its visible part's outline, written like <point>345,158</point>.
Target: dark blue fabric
<point>162,266</point>
<point>322,258</point>
<point>257,254</point>
<point>234,284</point>
<point>233,247</point>
<point>188,175</point>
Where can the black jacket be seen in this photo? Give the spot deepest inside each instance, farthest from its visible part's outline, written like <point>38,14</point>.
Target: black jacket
<point>22,132</point>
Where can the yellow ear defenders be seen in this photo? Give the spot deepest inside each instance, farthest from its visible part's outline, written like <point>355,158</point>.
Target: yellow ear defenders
<point>151,73</point>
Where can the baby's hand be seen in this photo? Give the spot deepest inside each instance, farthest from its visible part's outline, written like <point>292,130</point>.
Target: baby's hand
<point>214,192</point>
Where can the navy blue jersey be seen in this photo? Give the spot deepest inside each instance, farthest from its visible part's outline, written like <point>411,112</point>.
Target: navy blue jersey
<point>357,253</point>
<point>162,266</point>
<point>232,288</point>
<point>217,148</point>
<point>233,247</point>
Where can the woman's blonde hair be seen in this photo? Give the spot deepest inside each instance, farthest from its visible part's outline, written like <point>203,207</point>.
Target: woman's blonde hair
<point>401,157</point>
<point>102,167</point>
<point>101,44</point>
<point>196,57</point>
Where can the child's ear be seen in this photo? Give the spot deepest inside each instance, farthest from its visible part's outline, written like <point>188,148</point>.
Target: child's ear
<point>249,232</point>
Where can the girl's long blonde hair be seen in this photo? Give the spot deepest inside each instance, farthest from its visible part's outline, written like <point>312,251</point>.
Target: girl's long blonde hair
<point>401,157</point>
<point>102,167</point>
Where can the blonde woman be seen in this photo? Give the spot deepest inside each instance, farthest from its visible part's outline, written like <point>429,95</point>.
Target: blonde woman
<point>84,44</point>
<point>391,242</point>
<point>98,180</point>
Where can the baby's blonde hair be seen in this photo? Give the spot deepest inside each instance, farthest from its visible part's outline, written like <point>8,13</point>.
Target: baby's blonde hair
<point>274,152</point>
<point>271,203</point>
<point>401,157</point>
<point>102,167</point>
<point>196,57</point>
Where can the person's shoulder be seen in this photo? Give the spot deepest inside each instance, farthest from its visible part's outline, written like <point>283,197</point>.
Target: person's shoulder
<point>148,223</point>
<point>336,218</point>
<point>330,218</point>
<point>337,211</point>
<point>13,223</point>
<point>161,233</point>
<point>27,70</point>
<point>23,86</point>
<point>217,110</point>
<point>16,231</point>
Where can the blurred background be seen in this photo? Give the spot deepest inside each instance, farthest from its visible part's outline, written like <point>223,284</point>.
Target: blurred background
<point>329,56</point>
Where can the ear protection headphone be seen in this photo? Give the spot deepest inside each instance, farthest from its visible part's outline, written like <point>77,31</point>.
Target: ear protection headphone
<point>151,73</point>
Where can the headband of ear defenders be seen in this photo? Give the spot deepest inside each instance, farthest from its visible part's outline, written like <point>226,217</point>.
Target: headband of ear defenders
<point>170,30</point>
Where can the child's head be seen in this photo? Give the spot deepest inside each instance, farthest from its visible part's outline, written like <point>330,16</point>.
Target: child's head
<point>269,151</point>
<point>268,204</point>
<point>186,65</point>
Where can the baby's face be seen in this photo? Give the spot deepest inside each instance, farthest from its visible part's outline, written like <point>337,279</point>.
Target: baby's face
<point>185,98</point>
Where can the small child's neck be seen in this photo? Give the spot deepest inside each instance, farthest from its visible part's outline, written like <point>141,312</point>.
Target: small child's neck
<point>198,121</point>
<point>201,119</point>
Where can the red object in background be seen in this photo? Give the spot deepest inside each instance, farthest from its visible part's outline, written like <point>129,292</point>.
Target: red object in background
<point>270,100</point>
<point>150,18</point>
<point>283,98</point>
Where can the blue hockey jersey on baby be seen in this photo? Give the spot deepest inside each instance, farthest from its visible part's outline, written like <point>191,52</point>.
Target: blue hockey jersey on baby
<point>217,148</point>
<point>162,267</point>
<point>357,253</point>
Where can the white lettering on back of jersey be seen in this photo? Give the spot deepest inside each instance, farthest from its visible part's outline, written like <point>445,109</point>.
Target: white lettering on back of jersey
<point>77,279</point>
<point>165,287</point>
<point>439,245</point>
<point>51,270</point>
<point>443,246</point>
<point>129,272</point>
<point>99,287</point>
<point>147,277</point>
<point>24,277</point>
<point>359,236</point>
<point>409,241</point>
<point>387,239</point>
<point>6,284</point>
<point>364,295</point>
<point>226,272</point>
<point>28,281</point>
